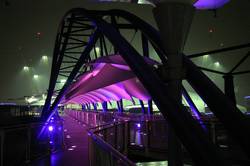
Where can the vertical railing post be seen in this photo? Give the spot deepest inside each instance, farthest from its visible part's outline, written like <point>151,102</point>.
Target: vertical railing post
<point>142,107</point>
<point>150,107</point>
<point>126,135</point>
<point>147,138</point>
<point>213,133</point>
<point>115,135</point>
<point>28,146</point>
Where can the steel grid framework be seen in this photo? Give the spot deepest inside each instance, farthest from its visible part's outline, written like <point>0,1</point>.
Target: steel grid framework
<point>82,30</point>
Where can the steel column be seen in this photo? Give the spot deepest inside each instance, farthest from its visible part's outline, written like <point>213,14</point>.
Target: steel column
<point>229,87</point>
<point>104,106</point>
<point>150,107</point>
<point>142,106</point>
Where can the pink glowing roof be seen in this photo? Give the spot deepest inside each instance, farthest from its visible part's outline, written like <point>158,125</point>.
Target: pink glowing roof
<point>109,79</point>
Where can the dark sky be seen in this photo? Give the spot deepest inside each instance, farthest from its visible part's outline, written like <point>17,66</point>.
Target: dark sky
<point>20,20</point>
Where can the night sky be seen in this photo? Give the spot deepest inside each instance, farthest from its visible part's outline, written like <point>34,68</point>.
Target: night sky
<point>20,45</point>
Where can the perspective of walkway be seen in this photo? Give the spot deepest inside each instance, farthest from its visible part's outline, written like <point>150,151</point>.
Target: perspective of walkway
<point>75,151</point>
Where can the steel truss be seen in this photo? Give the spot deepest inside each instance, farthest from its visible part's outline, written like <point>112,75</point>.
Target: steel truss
<point>81,31</point>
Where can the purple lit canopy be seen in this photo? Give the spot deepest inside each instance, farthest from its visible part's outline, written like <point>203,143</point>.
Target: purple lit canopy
<point>210,4</point>
<point>109,79</point>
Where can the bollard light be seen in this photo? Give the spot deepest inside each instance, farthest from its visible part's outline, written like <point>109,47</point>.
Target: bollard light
<point>50,128</point>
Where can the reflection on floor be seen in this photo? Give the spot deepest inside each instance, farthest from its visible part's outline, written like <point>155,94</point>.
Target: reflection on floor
<point>76,146</point>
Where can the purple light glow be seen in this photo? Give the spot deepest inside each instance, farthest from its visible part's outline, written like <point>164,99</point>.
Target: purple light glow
<point>247,97</point>
<point>51,128</point>
<point>122,85</point>
<point>210,4</point>
<point>51,142</point>
<point>138,125</point>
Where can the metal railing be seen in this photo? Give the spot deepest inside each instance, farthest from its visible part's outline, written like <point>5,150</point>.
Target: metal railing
<point>20,145</point>
<point>103,153</point>
<point>143,136</point>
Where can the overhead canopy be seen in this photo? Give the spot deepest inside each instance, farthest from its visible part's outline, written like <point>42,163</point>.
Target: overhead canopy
<point>210,4</point>
<point>109,79</point>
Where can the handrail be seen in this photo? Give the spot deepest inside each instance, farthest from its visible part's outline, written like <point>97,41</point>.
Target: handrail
<point>92,133</point>
<point>108,147</point>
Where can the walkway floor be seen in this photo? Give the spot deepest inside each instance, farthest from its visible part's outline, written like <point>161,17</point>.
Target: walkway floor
<point>76,147</point>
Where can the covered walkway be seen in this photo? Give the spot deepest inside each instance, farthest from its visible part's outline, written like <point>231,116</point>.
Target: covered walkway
<point>76,146</point>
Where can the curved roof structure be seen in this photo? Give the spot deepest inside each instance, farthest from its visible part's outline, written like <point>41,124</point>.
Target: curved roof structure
<point>110,79</point>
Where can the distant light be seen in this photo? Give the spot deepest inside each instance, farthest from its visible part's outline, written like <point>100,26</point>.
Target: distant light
<point>138,125</point>
<point>35,76</point>
<point>247,97</point>
<point>210,30</point>
<point>63,81</point>
<point>31,99</point>
<point>51,142</point>
<point>70,149</point>
<point>26,68</point>
<point>73,146</point>
<point>38,35</point>
<point>51,128</point>
<point>97,49</point>
<point>217,64</point>
<point>45,58</point>
<point>205,56</point>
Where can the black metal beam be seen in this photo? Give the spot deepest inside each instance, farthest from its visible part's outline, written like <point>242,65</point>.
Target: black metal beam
<point>125,26</point>
<point>241,72</point>
<point>67,67</point>
<point>239,63</point>
<point>69,61</point>
<point>101,46</point>
<point>145,49</point>
<point>75,47</point>
<point>74,72</point>
<point>71,57</point>
<point>72,43</point>
<point>104,45</point>
<point>56,62</point>
<point>80,30</point>
<point>78,40</point>
<point>176,114</point>
<point>211,70</point>
<point>114,23</point>
<point>190,102</point>
<point>79,35</point>
<point>219,50</point>
<point>68,71</point>
<point>63,75</point>
<point>72,52</point>
<point>238,132</point>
